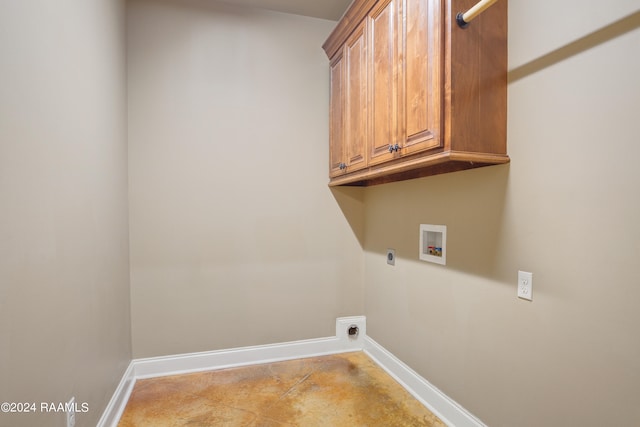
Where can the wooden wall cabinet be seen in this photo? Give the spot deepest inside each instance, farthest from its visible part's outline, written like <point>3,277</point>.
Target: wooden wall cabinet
<point>413,94</point>
<point>348,109</point>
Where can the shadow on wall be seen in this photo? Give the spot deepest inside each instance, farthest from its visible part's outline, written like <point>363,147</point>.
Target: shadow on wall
<point>583,44</point>
<point>470,203</point>
<point>351,203</point>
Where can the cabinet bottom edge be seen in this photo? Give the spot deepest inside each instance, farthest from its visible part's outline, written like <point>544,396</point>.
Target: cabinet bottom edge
<point>445,163</point>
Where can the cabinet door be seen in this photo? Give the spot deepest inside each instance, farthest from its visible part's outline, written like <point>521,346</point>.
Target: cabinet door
<point>336,116</point>
<point>355,120</point>
<point>383,23</point>
<point>421,99</point>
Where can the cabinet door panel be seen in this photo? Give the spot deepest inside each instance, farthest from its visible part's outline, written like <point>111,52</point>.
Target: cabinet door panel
<point>383,58</point>
<point>356,101</point>
<point>336,116</point>
<point>421,110</point>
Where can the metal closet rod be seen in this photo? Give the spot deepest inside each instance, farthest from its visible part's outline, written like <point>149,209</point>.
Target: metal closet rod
<point>463,19</point>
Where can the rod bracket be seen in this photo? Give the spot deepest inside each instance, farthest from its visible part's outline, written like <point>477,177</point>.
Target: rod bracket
<point>460,20</point>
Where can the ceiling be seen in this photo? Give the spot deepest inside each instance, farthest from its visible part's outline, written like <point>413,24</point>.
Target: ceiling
<point>325,9</point>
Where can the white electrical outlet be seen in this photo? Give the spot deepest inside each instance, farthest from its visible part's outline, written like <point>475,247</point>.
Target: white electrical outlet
<point>71,412</point>
<point>525,285</point>
<point>391,256</point>
<point>351,331</point>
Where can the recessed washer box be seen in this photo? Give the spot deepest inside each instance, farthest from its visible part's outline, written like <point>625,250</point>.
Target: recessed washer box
<point>433,243</point>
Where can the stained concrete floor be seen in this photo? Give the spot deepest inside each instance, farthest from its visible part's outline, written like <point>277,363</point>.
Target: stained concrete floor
<point>339,390</point>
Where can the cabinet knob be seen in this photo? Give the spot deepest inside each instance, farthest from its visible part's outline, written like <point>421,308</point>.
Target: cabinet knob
<point>390,148</point>
<point>342,166</point>
<point>396,148</point>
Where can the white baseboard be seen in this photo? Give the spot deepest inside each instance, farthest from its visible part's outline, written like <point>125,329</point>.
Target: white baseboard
<point>221,359</point>
<point>118,402</point>
<point>445,408</point>
<point>448,410</point>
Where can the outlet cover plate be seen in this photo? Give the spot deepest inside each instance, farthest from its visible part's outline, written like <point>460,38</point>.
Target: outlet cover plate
<point>525,285</point>
<point>71,414</point>
<point>351,342</point>
<point>391,256</point>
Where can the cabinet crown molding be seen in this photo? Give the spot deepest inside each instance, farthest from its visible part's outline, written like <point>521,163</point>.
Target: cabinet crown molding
<point>352,17</point>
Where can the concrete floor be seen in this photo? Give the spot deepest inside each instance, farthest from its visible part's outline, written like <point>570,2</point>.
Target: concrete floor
<point>339,390</point>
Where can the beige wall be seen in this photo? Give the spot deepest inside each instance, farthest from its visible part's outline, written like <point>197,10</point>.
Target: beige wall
<point>235,237</point>
<point>566,209</point>
<point>64,272</point>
